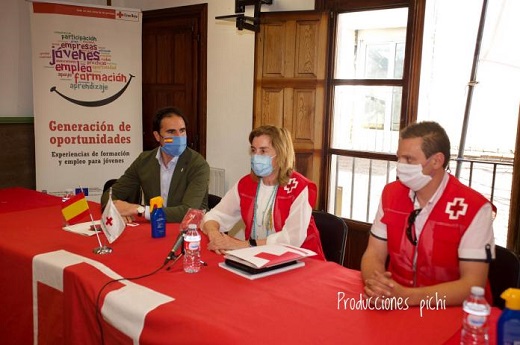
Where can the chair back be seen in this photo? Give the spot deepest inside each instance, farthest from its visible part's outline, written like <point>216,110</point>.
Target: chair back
<point>333,235</point>
<point>213,200</point>
<point>504,273</point>
<point>109,184</point>
<point>137,198</point>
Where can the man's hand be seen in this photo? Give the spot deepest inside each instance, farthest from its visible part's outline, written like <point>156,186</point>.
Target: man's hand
<point>127,210</point>
<point>380,284</point>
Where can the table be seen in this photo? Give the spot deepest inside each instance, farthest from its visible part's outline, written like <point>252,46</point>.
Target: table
<point>57,273</point>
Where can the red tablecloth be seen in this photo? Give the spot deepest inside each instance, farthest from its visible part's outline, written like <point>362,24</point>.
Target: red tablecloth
<point>56,272</point>
<point>19,199</point>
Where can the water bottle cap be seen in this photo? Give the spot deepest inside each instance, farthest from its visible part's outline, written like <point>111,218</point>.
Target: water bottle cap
<point>512,298</point>
<point>477,291</point>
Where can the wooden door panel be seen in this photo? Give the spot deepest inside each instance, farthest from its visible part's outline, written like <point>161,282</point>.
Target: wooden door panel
<point>306,59</point>
<point>290,65</point>
<point>149,58</point>
<point>173,70</point>
<point>272,106</point>
<point>304,115</point>
<point>274,62</point>
<point>304,164</point>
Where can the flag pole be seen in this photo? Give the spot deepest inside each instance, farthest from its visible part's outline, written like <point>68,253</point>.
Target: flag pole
<point>101,249</point>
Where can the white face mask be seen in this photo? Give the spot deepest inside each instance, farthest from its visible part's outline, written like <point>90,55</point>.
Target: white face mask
<point>411,176</point>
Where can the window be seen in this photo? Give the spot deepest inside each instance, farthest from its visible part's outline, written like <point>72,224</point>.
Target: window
<point>370,50</point>
<point>371,98</point>
<point>448,51</point>
<point>367,98</point>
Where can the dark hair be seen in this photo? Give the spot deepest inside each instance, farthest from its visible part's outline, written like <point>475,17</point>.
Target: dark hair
<point>434,138</point>
<point>166,112</point>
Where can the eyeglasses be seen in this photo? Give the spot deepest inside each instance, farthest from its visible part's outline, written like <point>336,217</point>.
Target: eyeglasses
<point>412,236</point>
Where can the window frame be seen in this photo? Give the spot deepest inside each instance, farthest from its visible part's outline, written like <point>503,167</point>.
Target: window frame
<point>409,82</point>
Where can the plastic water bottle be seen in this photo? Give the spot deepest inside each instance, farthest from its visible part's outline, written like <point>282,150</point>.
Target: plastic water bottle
<point>192,250</point>
<point>475,319</point>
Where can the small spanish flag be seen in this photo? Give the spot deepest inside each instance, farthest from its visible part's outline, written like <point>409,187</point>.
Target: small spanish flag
<point>75,209</point>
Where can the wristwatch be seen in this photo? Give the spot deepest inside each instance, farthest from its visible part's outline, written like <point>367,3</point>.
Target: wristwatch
<point>252,243</point>
<point>140,210</point>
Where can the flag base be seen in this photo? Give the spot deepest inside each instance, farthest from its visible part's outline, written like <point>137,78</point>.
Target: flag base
<point>102,250</point>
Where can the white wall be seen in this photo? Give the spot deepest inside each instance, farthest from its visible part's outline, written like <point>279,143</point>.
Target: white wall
<point>230,73</point>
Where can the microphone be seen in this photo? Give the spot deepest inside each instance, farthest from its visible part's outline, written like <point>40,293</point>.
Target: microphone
<point>178,244</point>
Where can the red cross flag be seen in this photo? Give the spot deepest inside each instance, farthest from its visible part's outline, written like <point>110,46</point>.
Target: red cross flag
<point>111,221</point>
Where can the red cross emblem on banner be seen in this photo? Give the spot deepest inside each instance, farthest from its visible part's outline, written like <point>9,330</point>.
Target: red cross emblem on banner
<point>291,185</point>
<point>108,221</point>
<point>456,208</point>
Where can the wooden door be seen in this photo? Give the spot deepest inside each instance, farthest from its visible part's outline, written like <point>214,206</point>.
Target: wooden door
<point>290,74</point>
<point>174,69</point>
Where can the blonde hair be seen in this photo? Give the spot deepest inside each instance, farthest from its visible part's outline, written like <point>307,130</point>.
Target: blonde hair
<point>283,146</point>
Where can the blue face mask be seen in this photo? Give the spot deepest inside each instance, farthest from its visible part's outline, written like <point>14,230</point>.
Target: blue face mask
<point>174,146</point>
<point>262,165</point>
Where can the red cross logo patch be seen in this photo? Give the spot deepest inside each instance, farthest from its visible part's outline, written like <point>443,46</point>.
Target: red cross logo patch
<point>291,185</point>
<point>456,208</point>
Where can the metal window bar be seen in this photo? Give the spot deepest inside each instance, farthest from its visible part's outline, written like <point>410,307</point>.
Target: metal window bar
<point>472,167</point>
<point>470,173</point>
<point>335,206</point>
<point>352,186</point>
<point>494,165</point>
<point>369,187</point>
<point>387,172</point>
<point>493,179</point>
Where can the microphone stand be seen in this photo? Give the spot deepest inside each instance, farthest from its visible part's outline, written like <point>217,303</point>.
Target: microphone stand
<point>175,257</point>
<point>173,260</point>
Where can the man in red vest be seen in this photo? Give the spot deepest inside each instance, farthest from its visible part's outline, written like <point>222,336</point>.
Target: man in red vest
<point>435,232</point>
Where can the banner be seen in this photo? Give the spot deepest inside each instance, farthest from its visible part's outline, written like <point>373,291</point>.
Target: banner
<point>86,93</point>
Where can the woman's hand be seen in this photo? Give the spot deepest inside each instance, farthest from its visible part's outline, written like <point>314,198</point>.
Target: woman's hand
<point>220,242</point>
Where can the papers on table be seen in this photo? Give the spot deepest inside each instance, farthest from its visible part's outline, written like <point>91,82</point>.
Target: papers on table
<point>268,255</point>
<point>253,276</point>
<point>85,229</point>
<point>261,261</point>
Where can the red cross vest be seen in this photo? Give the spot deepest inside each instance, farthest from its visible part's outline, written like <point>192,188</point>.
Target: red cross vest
<point>285,196</point>
<point>437,248</point>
